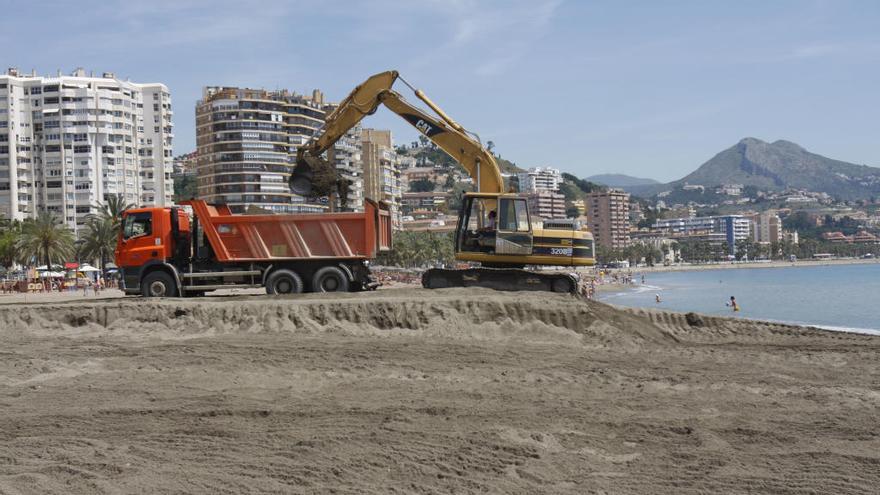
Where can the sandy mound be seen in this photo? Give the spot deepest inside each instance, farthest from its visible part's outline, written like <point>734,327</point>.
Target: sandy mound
<point>465,391</point>
<point>450,313</point>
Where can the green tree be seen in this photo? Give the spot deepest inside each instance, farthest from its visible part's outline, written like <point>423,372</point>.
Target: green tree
<point>421,185</point>
<point>46,239</point>
<point>185,187</point>
<point>417,249</point>
<point>10,253</point>
<point>112,209</point>
<point>99,238</point>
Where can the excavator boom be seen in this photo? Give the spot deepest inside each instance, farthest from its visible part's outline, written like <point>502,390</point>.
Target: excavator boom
<point>313,176</point>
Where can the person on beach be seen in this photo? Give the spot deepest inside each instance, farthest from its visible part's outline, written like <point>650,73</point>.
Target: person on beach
<point>733,305</point>
<point>657,297</point>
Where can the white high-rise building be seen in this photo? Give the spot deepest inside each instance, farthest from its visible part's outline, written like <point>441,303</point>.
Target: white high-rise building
<point>68,142</point>
<point>539,179</point>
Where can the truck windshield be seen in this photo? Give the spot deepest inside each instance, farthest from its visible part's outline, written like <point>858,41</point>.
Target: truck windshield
<point>137,224</point>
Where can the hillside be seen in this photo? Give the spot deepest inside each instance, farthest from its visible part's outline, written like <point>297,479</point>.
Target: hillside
<point>620,180</point>
<point>777,166</point>
<point>783,164</point>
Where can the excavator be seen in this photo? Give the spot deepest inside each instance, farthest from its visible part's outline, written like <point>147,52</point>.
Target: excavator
<point>495,228</point>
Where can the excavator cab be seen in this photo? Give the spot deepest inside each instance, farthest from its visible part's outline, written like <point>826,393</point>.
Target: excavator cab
<point>493,224</point>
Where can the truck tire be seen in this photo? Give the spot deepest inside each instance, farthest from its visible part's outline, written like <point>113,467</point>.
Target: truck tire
<point>158,284</point>
<point>284,282</point>
<point>330,279</point>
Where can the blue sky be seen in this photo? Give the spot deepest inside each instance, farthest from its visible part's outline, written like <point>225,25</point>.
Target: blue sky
<point>646,88</point>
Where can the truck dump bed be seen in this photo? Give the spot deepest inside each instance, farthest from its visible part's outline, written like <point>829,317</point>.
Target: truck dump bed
<point>303,236</point>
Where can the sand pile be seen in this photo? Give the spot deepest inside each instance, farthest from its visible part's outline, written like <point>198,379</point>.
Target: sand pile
<point>465,391</point>
<point>449,313</point>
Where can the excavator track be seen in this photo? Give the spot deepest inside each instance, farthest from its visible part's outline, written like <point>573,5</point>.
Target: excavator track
<point>506,279</point>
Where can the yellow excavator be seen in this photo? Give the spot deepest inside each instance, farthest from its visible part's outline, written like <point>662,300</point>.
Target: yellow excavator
<point>495,228</point>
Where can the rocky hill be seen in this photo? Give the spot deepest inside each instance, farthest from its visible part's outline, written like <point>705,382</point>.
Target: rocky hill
<point>776,166</point>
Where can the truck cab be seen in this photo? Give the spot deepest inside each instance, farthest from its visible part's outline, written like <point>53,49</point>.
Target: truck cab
<point>150,238</point>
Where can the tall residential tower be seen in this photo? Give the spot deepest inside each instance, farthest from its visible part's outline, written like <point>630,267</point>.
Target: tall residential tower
<point>247,141</point>
<point>69,142</point>
<point>608,215</point>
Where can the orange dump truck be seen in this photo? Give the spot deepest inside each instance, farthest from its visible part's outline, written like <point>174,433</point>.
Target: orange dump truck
<point>164,252</point>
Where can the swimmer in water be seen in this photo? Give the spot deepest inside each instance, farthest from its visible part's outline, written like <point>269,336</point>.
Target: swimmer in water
<point>733,305</point>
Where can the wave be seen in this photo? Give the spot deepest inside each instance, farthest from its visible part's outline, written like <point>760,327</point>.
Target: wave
<point>629,290</point>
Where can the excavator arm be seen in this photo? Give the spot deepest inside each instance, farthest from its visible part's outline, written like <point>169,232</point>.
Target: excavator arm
<point>314,177</point>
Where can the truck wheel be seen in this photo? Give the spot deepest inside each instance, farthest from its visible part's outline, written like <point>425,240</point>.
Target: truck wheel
<point>330,279</point>
<point>284,282</point>
<point>158,284</point>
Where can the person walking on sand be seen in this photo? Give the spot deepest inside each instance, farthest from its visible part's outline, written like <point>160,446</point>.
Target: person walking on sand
<point>733,305</point>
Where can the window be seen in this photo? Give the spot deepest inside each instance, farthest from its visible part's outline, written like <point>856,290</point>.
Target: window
<point>514,216</point>
<point>137,225</point>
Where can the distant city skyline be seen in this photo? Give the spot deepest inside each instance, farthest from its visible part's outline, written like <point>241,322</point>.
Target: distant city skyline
<point>646,89</point>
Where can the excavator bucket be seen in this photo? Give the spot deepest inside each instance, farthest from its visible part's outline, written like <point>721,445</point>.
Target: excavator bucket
<point>314,177</point>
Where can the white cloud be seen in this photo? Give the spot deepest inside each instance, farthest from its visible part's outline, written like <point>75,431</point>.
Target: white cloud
<point>489,37</point>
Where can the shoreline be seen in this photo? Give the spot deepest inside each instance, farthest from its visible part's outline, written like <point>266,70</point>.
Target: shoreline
<point>875,332</point>
<point>745,266</point>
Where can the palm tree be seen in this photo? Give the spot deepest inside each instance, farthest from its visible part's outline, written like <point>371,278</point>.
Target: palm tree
<point>99,239</point>
<point>46,238</point>
<point>112,209</point>
<point>9,250</point>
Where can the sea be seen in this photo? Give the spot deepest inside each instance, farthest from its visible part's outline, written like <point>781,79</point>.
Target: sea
<point>836,297</point>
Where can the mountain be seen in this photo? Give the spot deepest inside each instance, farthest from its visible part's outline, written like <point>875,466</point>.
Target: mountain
<point>620,180</point>
<point>776,166</point>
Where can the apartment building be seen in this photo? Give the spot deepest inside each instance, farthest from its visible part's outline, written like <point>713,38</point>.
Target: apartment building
<point>247,141</point>
<point>608,217</point>
<point>546,204</point>
<point>539,179</point>
<point>728,229</point>
<point>69,142</point>
<point>347,155</point>
<point>766,227</point>
<point>381,172</point>
<point>412,202</point>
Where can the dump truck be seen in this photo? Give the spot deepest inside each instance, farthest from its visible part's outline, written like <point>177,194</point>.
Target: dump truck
<point>163,252</point>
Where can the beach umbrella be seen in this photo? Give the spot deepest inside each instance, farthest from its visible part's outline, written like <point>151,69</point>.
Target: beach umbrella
<point>88,269</point>
<point>43,268</point>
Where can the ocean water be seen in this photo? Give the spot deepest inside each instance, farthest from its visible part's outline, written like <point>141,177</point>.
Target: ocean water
<point>839,297</point>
